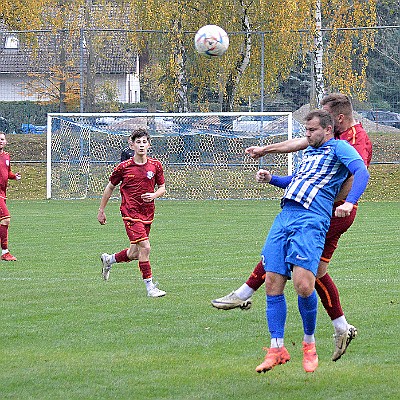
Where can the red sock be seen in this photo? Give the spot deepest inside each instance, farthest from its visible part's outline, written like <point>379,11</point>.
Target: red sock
<point>4,236</point>
<point>329,295</point>
<point>145,269</point>
<point>122,256</point>
<point>257,277</point>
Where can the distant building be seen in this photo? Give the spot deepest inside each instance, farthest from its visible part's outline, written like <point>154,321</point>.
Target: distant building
<point>25,53</point>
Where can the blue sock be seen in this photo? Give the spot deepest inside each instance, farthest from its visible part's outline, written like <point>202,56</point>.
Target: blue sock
<point>276,315</point>
<point>308,310</point>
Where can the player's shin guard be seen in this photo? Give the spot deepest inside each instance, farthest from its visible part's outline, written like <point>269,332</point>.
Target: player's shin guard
<point>145,269</point>
<point>329,295</point>
<point>257,277</point>
<point>4,236</point>
<point>122,256</point>
<point>276,315</point>
<point>308,310</point>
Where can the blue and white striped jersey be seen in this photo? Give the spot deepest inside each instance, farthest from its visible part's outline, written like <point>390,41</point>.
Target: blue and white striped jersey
<point>320,175</point>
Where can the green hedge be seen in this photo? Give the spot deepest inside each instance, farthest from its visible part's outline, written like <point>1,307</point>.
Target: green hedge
<point>17,113</point>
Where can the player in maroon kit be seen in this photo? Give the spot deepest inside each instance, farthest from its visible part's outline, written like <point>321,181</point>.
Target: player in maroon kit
<point>346,128</point>
<point>5,175</point>
<point>128,152</point>
<point>138,177</point>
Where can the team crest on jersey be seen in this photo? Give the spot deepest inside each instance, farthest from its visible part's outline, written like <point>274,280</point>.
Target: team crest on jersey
<point>150,174</point>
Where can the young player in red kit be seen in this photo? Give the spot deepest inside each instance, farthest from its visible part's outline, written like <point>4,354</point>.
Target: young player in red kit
<point>138,177</point>
<point>345,128</point>
<point>5,175</point>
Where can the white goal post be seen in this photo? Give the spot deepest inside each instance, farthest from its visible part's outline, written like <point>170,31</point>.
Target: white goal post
<point>202,153</point>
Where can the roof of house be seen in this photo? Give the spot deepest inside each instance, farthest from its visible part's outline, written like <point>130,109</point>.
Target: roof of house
<point>39,51</point>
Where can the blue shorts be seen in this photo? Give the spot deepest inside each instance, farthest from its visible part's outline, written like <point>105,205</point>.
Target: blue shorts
<point>296,238</point>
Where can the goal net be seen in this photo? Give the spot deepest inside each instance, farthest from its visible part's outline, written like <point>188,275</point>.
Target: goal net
<point>202,153</point>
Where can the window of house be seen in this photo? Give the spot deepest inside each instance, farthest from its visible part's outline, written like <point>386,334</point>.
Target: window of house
<point>11,42</point>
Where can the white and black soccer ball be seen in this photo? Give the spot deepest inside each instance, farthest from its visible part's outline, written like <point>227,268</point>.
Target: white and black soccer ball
<point>211,41</point>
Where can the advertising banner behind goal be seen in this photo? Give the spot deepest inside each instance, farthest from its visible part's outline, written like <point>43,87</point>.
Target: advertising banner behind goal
<point>202,153</point>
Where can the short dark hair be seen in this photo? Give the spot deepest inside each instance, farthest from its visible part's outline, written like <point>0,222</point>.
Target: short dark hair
<point>325,119</point>
<point>138,133</point>
<point>338,103</point>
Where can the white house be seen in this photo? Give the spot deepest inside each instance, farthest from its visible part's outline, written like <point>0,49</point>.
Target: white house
<point>19,60</point>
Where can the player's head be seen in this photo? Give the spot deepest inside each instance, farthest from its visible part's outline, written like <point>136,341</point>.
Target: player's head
<point>339,105</point>
<point>3,140</point>
<point>140,142</point>
<point>139,133</point>
<point>319,127</point>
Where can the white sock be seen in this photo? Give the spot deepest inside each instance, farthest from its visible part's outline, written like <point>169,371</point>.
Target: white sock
<point>4,251</point>
<point>149,283</point>
<point>244,292</point>
<point>276,342</point>
<point>309,338</point>
<point>111,259</point>
<point>340,324</point>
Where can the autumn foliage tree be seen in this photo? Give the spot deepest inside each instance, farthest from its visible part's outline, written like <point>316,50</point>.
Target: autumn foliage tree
<point>267,38</point>
<point>277,32</point>
<point>347,47</point>
<point>54,85</point>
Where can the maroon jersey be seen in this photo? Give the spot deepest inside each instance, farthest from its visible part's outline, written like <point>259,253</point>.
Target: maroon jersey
<point>5,173</point>
<point>135,180</point>
<point>358,138</point>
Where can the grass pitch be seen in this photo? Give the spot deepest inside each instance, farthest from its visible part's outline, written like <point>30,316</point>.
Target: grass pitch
<point>66,334</point>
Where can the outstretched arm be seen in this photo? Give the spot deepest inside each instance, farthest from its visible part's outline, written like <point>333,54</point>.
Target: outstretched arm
<point>264,176</point>
<point>101,216</point>
<point>287,146</point>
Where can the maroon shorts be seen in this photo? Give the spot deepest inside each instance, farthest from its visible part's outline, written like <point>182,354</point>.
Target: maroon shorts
<point>338,226</point>
<point>137,231</point>
<point>4,213</point>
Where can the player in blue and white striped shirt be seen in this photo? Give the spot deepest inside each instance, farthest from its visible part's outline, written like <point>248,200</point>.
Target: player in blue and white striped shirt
<point>296,239</point>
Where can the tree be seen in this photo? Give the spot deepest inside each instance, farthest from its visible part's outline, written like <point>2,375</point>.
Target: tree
<point>347,47</point>
<point>22,14</point>
<point>74,25</point>
<point>267,38</point>
<point>261,28</point>
<point>317,89</point>
<point>106,97</point>
<point>241,63</point>
<point>236,74</point>
<point>384,67</point>
<point>55,87</point>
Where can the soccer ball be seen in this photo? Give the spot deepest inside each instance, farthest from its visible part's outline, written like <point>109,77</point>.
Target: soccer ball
<point>211,41</point>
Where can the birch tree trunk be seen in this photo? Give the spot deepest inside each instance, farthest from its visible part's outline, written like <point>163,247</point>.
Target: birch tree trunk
<point>181,103</point>
<point>317,59</point>
<point>236,74</point>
